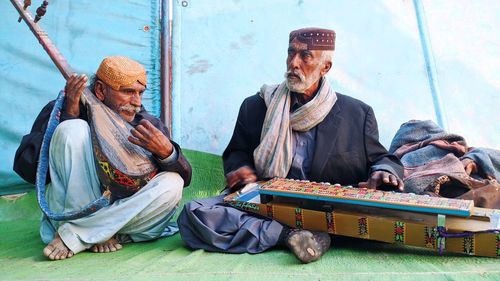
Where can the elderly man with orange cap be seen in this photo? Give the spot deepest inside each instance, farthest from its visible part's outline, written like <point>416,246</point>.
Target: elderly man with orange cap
<point>299,129</point>
<point>119,83</point>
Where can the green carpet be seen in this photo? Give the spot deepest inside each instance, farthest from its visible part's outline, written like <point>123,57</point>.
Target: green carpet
<point>168,259</point>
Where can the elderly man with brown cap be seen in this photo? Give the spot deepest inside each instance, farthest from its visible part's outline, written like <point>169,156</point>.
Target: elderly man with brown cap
<point>119,83</point>
<point>300,129</point>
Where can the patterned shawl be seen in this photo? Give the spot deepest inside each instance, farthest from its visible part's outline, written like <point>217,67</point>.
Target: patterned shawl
<point>273,157</point>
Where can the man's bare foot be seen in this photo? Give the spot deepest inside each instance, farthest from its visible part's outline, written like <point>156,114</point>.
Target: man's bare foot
<point>56,250</point>
<point>111,245</point>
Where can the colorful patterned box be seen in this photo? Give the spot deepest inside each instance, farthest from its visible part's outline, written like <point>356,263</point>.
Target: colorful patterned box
<point>408,219</point>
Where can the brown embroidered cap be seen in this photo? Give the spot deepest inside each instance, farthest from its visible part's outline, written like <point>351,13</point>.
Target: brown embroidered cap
<point>117,71</point>
<point>315,38</point>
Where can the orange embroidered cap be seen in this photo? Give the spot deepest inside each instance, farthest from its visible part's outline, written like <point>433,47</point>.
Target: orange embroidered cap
<point>117,71</point>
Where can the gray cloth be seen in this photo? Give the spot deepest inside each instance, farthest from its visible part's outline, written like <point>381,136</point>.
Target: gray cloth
<point>212,225</point>
<point>487,159</point>
<point>428,153</point>
<point>415,131</point>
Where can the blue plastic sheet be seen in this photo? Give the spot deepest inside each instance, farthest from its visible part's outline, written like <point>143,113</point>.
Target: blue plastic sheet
<point>223,51</point>
<point>85,32</point>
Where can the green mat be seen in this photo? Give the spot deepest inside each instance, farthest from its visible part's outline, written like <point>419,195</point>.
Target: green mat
<point>168,259</point>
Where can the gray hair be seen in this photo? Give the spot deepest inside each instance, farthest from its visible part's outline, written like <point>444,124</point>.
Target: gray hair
<point>326,56</point>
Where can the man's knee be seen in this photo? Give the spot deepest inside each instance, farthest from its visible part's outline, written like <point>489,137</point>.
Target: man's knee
<point>172,185</point>
<point>75,132</point>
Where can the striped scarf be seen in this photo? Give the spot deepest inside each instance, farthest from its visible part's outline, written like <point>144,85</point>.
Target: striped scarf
<point>273,156</point>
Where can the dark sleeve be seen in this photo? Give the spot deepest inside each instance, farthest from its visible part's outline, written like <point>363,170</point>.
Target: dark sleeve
<point>246,135</point>
<point>28,152</point>
<point>26,158</point>
<point>181,165</point>
<point>378,157</point>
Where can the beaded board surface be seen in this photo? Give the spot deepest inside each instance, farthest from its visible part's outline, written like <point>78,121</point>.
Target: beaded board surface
<point>368,197</point>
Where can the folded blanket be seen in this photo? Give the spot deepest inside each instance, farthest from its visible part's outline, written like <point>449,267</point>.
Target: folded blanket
<point>487,159</point>
<point>433,163</point>
<point>420,131</point>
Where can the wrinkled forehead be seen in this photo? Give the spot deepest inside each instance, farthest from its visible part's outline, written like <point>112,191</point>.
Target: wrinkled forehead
<point>136,86</point>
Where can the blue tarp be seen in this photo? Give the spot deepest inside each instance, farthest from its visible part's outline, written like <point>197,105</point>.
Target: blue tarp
<point>85,32</point>
<point>223,51</point>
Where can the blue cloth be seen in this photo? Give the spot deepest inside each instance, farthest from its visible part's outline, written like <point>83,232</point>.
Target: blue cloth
<point>212,225</point>
<point>415,131</point>
<point>487,159</point>
<point>423,132</point>
<point>303,152</point>
<point>433,162</point>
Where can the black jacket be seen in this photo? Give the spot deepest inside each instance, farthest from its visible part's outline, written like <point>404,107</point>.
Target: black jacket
<point>26,158</point>
<point>347,146</point>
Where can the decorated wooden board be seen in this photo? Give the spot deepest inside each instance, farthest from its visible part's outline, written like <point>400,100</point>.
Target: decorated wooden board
<point>367,197</point>
<point>478,234</point>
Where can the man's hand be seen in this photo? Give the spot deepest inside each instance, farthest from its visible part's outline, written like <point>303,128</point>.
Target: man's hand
<point>73,90</point>
<point>379,178</point>
<point>150,138</point>
<point>242,176</point>
<point>470,166</point>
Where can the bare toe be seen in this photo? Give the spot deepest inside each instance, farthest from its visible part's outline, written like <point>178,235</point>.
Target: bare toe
<point>105,248</point>
<point>98,248</point>
<point>57,250</point>
<point>111,248</point>
<point>48,250</point>
<point>110,245</point>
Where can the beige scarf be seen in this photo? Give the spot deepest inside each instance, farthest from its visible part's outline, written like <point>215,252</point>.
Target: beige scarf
<point>273,157</point>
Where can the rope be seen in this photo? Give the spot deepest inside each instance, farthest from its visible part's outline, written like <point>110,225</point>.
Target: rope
<point>442,233</point>
<point>42,168</point>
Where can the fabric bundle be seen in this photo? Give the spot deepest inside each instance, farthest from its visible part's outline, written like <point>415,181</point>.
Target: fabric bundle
<point>434,163</point>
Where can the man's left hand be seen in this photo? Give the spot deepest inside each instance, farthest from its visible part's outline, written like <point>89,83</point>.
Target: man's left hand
<point>150,138</point>
<point>470,166</point>
<point>379,178</point>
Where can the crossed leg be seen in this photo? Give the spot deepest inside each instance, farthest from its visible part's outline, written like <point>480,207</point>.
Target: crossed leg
<point>143,216</point>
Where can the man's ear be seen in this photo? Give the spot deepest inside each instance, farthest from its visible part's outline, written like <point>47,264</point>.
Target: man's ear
<point>326,67</point>
<point>99,90</point>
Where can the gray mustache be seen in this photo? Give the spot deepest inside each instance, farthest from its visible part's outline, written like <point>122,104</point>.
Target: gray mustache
<point>295,73</point>
<point>130,108</point>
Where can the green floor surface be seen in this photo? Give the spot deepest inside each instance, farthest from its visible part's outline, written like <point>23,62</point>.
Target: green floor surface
<point>168,259</point>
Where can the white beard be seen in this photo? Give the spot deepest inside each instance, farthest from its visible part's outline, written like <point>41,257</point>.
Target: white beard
<point>304,83</point>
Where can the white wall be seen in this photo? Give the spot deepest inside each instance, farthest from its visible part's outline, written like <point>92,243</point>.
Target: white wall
<point>225,50</point>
